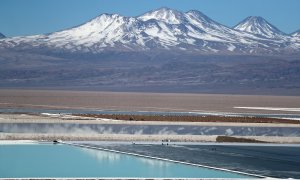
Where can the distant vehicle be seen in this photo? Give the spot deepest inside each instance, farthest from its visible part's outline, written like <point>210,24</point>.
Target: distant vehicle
<point>57,141</point>
<point>166,140</point>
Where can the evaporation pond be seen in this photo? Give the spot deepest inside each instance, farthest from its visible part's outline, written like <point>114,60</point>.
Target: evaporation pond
<point>49,160</point>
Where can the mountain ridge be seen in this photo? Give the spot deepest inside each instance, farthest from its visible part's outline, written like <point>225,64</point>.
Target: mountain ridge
<point>162,29</point>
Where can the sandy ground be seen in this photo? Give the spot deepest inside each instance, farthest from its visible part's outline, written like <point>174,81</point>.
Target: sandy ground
<point>26,118</point>
<point>147,101</point>
<point>135,138</point>
<point>105,137</point>
<point>3,142</point>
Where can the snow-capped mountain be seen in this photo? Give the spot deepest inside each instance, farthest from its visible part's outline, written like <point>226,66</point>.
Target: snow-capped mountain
<point>162,29</point>
<point>1,36</point>
<point>259,26</point>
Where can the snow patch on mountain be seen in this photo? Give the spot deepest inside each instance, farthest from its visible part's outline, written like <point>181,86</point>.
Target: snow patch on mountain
<point>296,37</point>
<point>296,34</point>
<point>166,15</point>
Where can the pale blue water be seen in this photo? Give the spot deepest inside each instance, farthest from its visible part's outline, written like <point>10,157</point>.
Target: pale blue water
<point>48,160</point>
<point>272,160</point>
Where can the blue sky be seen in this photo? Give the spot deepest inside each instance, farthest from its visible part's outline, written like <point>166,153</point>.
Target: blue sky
<point>28,17</point>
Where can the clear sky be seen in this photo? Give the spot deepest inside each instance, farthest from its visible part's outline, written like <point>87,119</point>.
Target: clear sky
<point>28,17</point>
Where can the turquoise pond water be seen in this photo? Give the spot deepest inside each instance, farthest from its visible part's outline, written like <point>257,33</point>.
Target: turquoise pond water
<point>48,160</point>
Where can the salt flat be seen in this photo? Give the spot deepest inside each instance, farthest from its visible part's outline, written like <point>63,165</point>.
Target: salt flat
<point>27,118</point>
<point>125,101</point>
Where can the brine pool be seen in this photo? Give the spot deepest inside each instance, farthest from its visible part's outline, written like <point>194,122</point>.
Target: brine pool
<point>60,160</point>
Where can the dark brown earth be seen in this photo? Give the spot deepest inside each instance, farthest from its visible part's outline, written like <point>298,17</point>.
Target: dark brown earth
<point>190,118</point>
<point>236,139</point>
